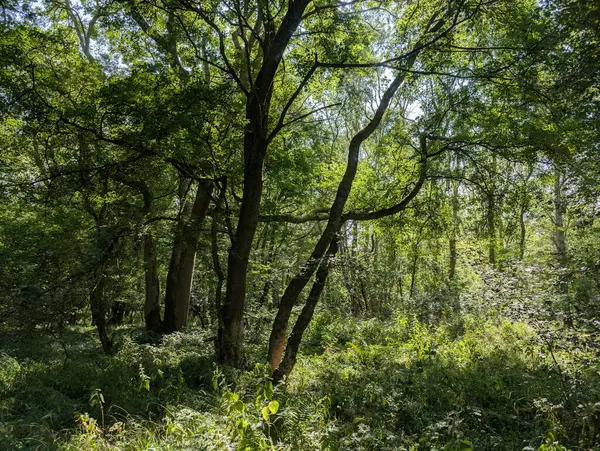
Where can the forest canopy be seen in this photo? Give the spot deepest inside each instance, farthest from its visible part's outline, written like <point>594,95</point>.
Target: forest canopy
<point>300,224</point>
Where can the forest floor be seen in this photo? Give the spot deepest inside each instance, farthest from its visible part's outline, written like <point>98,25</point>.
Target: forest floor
<point>469,383</point>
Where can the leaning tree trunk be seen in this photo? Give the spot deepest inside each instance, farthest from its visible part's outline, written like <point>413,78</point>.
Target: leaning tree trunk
<point>286,364</point>
<point>297,284</point>
<point>183,259</point>
<point>293,343</point>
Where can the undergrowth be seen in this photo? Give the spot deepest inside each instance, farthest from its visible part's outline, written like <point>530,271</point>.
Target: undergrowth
<point>367,385</point>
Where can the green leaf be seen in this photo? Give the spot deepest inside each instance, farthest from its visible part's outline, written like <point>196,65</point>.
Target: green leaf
<point>266,413</point>
<point>465,445</point>
<point>238,406</point>
<point>269,390</point>
<point>273,406</point>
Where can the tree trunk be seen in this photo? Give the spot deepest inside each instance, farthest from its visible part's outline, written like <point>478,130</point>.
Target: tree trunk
<point>98,307</point>
<point>183,259</point>
<point>561,244</point>
<point>152,285</point>
<point>363,293</point>
<point>117,313</point>
<point>491,228</point>
<point>294,288</point>
<point>401,286</point>
<point>523,234</point>
<point>353,275</point>
<point>293,343</point>
<point>525,200</point>
<point>231,332</point>
<point>151,282</point>
<point>454,231</point>
<point>415,261</point>
<point>560,236</point>
<point>414,269</point>
<point>214,251</point>
<point>277,287</point>
<point>269,263</point>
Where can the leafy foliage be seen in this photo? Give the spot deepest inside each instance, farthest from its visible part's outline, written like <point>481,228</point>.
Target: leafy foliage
<point>430,169</point>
